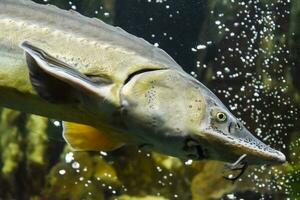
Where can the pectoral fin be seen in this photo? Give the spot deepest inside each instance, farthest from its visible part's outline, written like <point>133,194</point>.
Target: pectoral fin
<point>56,81</point>
<point>86,138</point>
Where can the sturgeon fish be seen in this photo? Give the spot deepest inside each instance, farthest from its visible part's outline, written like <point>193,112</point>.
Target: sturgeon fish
<point>111,89</point>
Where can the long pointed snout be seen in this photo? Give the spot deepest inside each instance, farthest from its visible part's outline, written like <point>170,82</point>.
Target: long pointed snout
<point>231,146</point>
<point>257,151</point>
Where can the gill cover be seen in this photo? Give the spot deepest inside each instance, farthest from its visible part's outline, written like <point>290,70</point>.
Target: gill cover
<point>163,107</point>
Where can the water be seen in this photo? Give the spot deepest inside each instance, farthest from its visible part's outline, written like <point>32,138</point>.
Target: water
<point>244,51</point>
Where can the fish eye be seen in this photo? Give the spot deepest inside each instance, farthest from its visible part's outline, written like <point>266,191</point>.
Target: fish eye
<point>221,117</point>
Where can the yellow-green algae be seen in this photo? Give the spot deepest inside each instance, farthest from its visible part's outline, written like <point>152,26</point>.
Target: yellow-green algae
<point>126,197</point>
<point>11,150</point>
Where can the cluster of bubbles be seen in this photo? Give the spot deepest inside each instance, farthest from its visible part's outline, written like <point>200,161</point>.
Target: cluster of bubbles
<point>264,82</point>
<point>254,65</point>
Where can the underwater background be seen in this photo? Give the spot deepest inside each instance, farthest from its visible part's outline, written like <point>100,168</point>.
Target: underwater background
<point>247,52</point>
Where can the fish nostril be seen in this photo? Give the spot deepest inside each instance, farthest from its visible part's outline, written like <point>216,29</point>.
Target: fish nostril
<point>238,126</point>
<point>234,127</point>
<point>230,127</point>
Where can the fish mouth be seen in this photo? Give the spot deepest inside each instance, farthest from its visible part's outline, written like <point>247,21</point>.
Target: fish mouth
<point>200,151</point>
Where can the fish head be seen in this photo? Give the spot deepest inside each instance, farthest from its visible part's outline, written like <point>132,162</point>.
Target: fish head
<point>171,112</point>
<point>225,138</point>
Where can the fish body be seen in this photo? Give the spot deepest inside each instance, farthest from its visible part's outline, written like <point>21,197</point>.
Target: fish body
<point>117,88</point>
